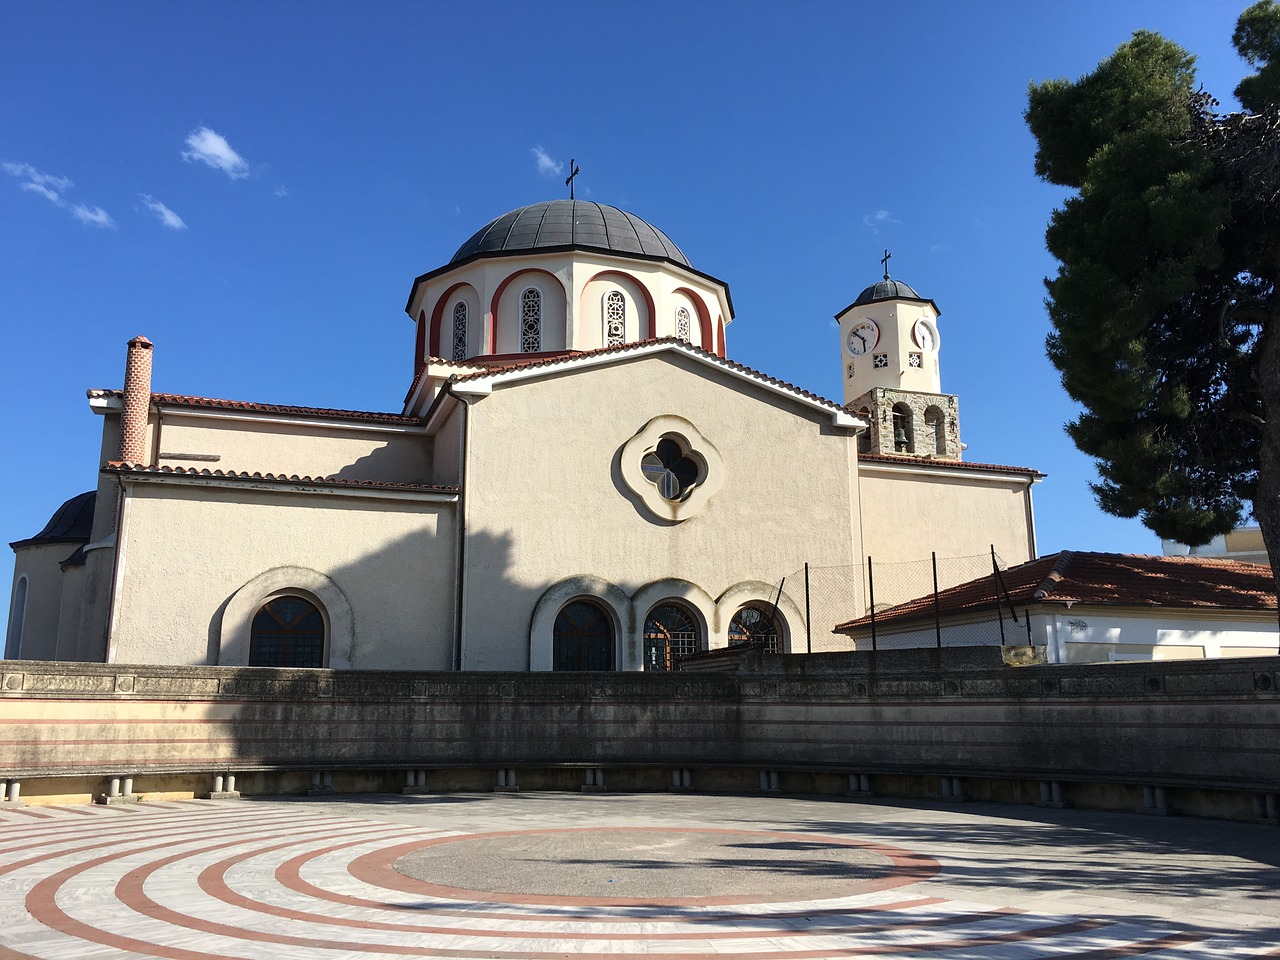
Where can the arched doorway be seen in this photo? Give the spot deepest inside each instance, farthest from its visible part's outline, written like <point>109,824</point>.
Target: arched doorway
<point>287,632</point>
<point>757,626</point>
<point>670,632</point>
<point>582,638</point>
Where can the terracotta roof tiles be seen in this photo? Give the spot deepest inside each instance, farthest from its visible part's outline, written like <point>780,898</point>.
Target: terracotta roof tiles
<point>119,466</point>
<point>1103,578</point>
<point>211,403</point>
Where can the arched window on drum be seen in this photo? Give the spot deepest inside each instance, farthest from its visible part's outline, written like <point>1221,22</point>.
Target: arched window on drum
<point>460,330</point>
<point>615,319</point>
<point>287,631</point>
<point>531,320</point>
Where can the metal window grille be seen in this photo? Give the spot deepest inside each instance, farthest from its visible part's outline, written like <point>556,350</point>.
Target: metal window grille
<point>530,321</point>
<point>670,632</point>
<point>459,330</point>
<point>615,319</point>
<point>683,323</point>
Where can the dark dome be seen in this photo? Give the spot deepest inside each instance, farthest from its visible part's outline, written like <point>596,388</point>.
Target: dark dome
<point>886,290</point>
<point>571,223</point>
<point>72,522</point>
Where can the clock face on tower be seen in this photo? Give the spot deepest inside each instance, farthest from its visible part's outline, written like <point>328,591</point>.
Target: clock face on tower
<point>925,335</point>
<point>863,336</point>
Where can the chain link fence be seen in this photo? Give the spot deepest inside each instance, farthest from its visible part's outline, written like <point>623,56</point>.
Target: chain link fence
<point>933,602</point>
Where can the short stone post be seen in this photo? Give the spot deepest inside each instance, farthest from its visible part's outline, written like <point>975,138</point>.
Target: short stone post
<point>1051,794</point>
<point>859,786</point>
<point>15,793</point>
<point>681,780</point>
<point>506,781</point>
<point>321,784</point>
<point>115,794</point>
<point>769,781</point>
<point>593,780</point>
<point>953,789</point>
<point>415,782</point>
<point>1154,801</point>
<point>224,788</point>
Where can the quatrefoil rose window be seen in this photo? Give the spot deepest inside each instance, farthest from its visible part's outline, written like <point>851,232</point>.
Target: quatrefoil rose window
<point>671,468</point>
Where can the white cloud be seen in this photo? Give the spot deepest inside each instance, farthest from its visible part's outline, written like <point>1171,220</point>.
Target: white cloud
<point>41,189</point>
<point>29,173</point>
<point>878,218</point>
<point>92,216</point>
<point>167,216</point>
<point>546,166</point>
<point>51,188</point>
<point>281,191</point>
<point>211,148</point>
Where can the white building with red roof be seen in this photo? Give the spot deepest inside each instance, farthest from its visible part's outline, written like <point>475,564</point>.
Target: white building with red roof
<point>1083,607</point>
<point>579,478</point>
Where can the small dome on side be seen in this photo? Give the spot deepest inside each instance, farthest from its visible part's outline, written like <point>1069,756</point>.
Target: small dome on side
<point>71,523</point>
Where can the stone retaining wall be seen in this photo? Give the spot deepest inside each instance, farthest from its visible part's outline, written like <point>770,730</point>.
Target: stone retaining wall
<point>1180,724</point>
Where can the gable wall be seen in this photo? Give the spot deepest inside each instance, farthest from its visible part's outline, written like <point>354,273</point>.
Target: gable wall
<point>546,501</point>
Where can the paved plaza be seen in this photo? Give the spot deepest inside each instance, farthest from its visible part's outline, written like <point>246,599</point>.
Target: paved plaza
<point>595,875</point>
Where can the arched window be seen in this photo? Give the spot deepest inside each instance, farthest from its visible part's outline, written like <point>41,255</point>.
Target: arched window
<point>903,441</point>
<point>531,321</point>
<point>615,319</point>
<point>864,438</point>
<point>287,632</point>
<point>935,431</point>
<point>757,626</point>
<point>670,632</point>
<point>17,615</point>
<point>684,323</point>
<point>582,638</point>
<point>460,330</point>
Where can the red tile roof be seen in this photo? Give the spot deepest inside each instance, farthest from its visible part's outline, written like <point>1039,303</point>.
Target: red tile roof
<point>945,464</point>
<point>179,400</point>
<point>1114,579</point>
<point>119,466</point>
<point>570,357</point>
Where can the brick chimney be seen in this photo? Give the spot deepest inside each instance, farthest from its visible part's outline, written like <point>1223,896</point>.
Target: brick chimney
<point>137,401</point>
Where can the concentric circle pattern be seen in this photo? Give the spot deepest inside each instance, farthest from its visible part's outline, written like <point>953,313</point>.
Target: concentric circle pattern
<point>208,881</point>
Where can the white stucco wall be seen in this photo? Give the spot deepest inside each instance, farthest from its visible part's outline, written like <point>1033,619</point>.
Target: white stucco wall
<point>295,446</point>
<point>188,549</point>
<point>546,501</point>
<point>910,512</point>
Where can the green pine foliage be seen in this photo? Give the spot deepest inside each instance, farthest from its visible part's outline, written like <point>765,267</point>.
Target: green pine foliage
<point>1164,306</point>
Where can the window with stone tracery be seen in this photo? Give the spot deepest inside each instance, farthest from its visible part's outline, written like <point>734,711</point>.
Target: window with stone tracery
<point>682,323</point>
<point>460,330</point>
<point>615,319</point>
<point>531,321</point>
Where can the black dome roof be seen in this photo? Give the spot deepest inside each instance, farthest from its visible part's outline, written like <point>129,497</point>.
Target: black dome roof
<point>71,523</point>
<point>886,290</point>
<point>571,223</point>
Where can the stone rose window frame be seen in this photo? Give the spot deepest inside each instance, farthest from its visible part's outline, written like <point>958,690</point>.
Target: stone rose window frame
<point>693,446</point>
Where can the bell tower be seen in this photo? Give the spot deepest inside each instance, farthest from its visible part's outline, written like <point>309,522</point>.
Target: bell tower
<point>889,357</point>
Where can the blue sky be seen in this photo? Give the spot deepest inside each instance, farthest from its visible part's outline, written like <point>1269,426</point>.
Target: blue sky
<point>254,186</point>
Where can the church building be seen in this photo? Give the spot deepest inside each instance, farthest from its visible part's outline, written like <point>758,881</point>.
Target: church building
<point>579,478</point>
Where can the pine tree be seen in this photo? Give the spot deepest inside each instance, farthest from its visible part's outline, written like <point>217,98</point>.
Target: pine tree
<point>1166,322</point>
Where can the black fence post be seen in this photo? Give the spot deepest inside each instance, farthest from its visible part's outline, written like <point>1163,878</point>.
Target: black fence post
<point>808,620</point>
<point>937,614</point>
<point>871,600</point>
<point>995,591</point>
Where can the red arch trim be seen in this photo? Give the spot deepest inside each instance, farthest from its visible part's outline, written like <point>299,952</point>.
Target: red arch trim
<point>497,297</point>
<point>704,317</point>
<point>720,337</point>
<point>437,315</point>
<point>652,327</point>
